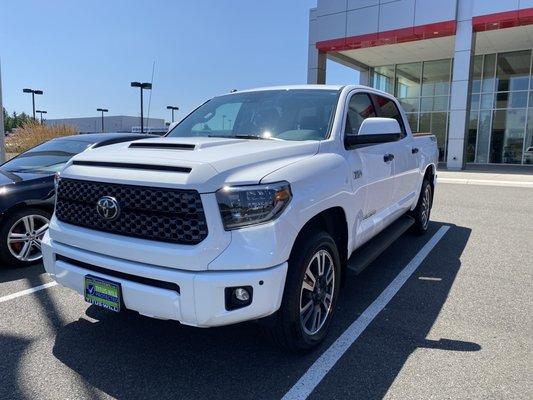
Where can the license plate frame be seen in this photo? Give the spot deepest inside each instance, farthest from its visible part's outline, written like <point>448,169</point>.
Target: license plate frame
<point>103,293</point>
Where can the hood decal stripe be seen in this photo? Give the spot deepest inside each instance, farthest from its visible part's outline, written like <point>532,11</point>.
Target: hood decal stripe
<point>151,167</point>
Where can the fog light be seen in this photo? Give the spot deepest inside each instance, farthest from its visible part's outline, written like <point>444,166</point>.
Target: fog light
<point>241,294</point>
<point>238,297</point>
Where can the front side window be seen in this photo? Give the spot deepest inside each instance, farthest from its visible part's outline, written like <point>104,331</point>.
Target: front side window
<point>295,114</point>
<point>386,108</point>
<point>360,107</point>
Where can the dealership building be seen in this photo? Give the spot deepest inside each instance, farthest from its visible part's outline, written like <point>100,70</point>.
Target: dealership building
<point>460,68</point>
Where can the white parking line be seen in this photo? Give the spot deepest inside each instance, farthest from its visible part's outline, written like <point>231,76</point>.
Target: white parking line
<point>314,375</point>
<point>27,291</point>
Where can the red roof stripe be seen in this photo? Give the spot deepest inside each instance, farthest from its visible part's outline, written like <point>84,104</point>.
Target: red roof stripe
<point>403,35</point>
<point>503,20</point>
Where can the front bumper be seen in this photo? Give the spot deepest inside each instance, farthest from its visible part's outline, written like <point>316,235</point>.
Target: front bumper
<point>200,300</point>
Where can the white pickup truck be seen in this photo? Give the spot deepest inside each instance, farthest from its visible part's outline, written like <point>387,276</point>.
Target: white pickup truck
<point>253,206</point>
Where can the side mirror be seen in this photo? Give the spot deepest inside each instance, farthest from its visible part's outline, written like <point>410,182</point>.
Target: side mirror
<point>374,131</point>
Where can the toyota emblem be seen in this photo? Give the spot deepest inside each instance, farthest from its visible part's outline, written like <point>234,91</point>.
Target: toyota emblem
<point>107,207</point>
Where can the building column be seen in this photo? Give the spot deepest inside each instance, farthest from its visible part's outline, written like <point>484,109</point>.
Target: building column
<point>364,76</point>
<point>316,60</point>
<point>461,87</point>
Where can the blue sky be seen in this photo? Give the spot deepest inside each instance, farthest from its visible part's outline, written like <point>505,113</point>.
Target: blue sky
<point>85,54</point>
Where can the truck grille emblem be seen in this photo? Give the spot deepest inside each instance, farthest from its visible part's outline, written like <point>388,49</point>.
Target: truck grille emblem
<point>107,207</point>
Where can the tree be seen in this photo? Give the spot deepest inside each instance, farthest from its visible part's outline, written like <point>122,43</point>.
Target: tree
<point>14,120</point>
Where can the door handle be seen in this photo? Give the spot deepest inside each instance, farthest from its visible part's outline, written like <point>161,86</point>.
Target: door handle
<point>388,157</point>
<point>414,150</point>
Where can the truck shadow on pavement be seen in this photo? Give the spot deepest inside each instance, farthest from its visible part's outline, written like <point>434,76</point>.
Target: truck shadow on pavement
<point>129,356</point>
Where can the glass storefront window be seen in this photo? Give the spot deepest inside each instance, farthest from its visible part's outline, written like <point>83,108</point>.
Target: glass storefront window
<point>513,71</point>
<point>471,137</point>
<point>507,137</point>
<point>487,101</point>
<point>409,105</point>
<point>511,100</point>
<point>439,103</point>
<point>384,78</point>
<point>489,69</point>
<point>474,102</point>
<point>483,135</point>
<point>476,74</point>
<point>436,78</point>
<point>435,122</point>
<point>408,80</point>
<point>413,121</point>
<point>500,124</point>
<point>528,146</point>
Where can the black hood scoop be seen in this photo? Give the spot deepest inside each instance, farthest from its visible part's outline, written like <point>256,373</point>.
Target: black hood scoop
<point>160,145</point>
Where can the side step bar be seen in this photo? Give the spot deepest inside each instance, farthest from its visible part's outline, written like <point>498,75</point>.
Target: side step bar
<point>371,250</point>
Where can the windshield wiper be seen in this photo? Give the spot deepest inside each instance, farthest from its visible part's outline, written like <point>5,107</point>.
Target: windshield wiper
<point>255,137</point>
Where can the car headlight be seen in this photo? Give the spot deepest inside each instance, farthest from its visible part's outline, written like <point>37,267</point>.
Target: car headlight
<point>248,205</point>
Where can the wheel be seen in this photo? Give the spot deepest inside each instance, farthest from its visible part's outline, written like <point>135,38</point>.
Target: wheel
<point>423,208</point>
<point>311,291</point>
<point>20,237</point>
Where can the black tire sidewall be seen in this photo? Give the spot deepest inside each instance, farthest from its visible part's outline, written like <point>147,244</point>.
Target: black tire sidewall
<point>417,212</point>
<point>311,244</point>
<point>6,258</point>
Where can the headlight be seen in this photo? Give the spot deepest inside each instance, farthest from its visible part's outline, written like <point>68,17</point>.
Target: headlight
<point>248,205</point>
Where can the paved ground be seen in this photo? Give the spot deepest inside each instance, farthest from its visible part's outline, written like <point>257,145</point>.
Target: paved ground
<point>460,327</point>
<point>521,177</point>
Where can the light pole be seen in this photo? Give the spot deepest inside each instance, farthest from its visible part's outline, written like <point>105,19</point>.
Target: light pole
<point>102,110</point>
<point>33,93</point>
<point>41,112</point>
<point>141,86</point>
<point>2,133</point>
<point>173,108</point>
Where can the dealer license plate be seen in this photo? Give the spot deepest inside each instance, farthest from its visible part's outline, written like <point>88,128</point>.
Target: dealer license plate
<point>102,292</point>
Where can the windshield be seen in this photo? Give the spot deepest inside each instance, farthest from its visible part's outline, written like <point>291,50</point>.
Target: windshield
<point>48,157</point>
<point>298,114</point>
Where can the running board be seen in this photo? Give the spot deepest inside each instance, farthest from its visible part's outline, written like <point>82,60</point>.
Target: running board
<point>367,253</point>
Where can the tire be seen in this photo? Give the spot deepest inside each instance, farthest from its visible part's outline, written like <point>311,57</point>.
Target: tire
<point>23,249</point>
<point>289,327</point>
<point>422,211</point>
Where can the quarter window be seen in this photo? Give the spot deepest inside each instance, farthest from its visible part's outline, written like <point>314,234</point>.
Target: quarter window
<point>360,107</point>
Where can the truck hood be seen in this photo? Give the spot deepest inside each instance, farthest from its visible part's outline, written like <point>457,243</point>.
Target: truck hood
<point>203,164</point>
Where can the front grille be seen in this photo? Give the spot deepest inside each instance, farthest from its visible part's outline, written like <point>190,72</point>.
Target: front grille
<point>168,215</point>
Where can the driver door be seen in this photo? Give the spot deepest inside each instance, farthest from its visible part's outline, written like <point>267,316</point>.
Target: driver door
<point>372,176</point>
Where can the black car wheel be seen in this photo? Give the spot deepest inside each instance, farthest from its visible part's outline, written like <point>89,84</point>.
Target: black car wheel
<point>422,211</point>
<point>20,237</point>
<point>311,291</point>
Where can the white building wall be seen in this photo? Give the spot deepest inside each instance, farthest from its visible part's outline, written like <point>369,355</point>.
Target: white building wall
<point>344,18</point>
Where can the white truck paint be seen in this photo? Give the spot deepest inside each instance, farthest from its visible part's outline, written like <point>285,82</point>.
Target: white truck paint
<point>323,174</point>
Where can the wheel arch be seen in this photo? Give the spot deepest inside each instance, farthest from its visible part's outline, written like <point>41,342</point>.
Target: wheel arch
<point>333,221</point>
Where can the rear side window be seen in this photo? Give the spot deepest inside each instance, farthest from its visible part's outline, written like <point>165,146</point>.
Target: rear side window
<point>387,108</point>
<point>360,107</point>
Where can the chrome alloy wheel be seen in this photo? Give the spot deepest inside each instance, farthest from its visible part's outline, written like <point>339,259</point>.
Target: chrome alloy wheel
<point>24,237</point>
<point>426,206</point>
<point>316,295</point>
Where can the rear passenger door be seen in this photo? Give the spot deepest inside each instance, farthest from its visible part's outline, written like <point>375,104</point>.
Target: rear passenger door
<point>371,176</point>
<point>405,157</point>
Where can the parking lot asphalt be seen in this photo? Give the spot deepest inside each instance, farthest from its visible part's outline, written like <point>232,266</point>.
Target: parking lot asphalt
<point>460,326</point>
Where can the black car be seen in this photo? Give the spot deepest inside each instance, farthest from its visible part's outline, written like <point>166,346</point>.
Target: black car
<point>27,192</point>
